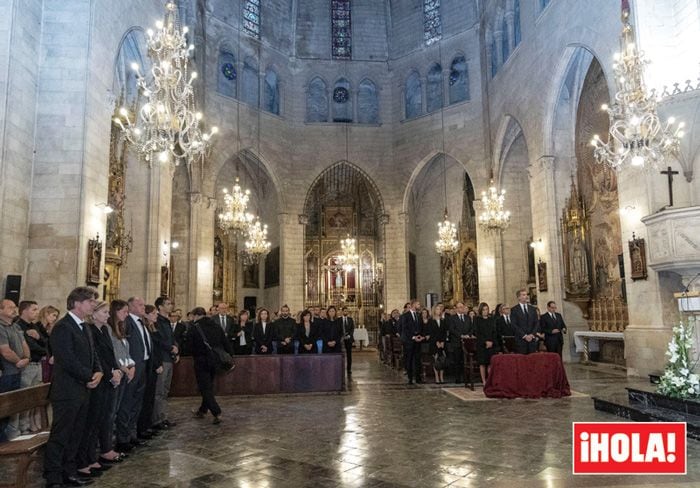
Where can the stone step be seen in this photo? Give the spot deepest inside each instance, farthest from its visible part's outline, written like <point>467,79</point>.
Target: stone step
<point>622,407</point>
<point>653,399</point>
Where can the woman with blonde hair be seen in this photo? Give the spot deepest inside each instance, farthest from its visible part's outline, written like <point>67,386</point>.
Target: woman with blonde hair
<point>48,316</point>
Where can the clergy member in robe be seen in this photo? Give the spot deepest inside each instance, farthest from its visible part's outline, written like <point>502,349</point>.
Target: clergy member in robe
<point>525,324</point>
<point>332,332</point>
<point>307,333</point>
<point>285,330</point>
<point>263,333</point>
<point>553,326</point>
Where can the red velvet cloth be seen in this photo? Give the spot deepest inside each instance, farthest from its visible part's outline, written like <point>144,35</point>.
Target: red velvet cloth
<point>536,375</point>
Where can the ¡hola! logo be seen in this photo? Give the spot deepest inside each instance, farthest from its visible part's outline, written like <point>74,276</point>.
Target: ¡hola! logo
<point>629,448</point>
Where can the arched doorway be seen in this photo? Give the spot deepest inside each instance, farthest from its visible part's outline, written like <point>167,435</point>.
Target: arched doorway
<point>343,202</point>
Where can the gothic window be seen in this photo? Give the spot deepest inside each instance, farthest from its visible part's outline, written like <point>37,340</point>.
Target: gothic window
<point>342,101</point>
<point>505,41</point>
<point>413,96</point>
<point>227,76</point>
<point>317,101</point>
<point>432,22</point>
<point>251,18</point>
<point>434,88</point>
<point>367,103</point>
<point>342,29</point>
<point>516,23</point>
<point>272,92</point>
<point>459,80</point>
<point>250,91</point>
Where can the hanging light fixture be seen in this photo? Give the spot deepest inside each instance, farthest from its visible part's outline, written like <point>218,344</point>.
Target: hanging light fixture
<point>447,242</point>
<point>348,258</point>
<point>257,245</point>
<point>637,137</point>
<point>167,127</point>
<point>494,218</point>
<point>233,216</point>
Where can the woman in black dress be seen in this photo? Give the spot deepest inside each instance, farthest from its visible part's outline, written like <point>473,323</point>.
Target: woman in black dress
<point>332,331</point>
<point>438,336</point>
<point>486,343</point>
<point>307,334</point>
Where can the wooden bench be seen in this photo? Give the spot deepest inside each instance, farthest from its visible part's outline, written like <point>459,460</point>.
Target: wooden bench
<point>25,451</point>
<point>396,353</point>
<point>471,367</point>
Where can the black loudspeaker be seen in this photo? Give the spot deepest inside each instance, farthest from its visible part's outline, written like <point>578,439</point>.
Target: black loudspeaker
<point>13,285</point>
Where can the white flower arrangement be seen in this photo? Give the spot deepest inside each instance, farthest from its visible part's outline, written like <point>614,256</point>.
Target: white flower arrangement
<point>679,381</point>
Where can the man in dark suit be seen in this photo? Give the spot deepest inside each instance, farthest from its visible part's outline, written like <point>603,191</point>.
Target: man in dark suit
<point>411,337</point>
<point>140,350</point>
<point>348,332</point>
<point>76,371</point>
<point>181,332</point>
<point>553,326</point>
<point>504,326</point>
<point>285,329</point>
<point>459,327</point>
<point>169,354</point>
<point>222,317</point>
<point>523,316</point>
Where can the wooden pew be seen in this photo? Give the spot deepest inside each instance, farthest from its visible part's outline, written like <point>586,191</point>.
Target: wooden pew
<point>396,353</point>
<point>26,451</point>
<point>470,364</point>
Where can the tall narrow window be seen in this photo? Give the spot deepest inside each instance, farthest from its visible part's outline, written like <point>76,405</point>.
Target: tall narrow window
<point>459,80</point>
<point>251,18</point>
<point>413,96</point>
<point>272,92</point>
<point>505,41</point>
<point>250,92</point>
<point>516,23</point>
<point>367,103</point>
<point>342,29</point>
<point>432,22</point>
<point>434,88</point>
<point>494,58</point>
<point>317,101</point>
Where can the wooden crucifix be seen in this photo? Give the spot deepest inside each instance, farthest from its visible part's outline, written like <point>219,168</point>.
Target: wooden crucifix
<point>669,172</point>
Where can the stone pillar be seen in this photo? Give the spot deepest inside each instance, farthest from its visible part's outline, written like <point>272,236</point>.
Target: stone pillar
<point>646,336</point>
<point>545,226</point>
<point>396,268</point>
<point>511,31</point>
<point>200,283</point>
<point>291,260</point>
<point>158,230</point>
<point>490,256</point>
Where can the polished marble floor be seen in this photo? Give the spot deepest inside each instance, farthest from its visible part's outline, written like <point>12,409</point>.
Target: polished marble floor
<point>382,434</point>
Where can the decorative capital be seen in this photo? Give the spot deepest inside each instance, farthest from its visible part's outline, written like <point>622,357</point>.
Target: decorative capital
<point>384,219</point>
<point>303,219</point>
<point>403,217</point>
<point>195,198</point>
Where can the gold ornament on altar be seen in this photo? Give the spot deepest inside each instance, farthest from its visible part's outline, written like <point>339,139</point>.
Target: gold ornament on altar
<point>167,126</point>
<point>637,137</point>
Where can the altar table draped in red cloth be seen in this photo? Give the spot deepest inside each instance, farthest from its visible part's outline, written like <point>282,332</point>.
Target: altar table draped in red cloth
<point>527,376</point>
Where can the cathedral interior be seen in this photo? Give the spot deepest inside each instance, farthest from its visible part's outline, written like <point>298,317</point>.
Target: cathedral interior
<point>362,119</point>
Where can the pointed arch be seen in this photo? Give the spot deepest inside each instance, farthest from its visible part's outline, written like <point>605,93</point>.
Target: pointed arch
<point>317,100</point>
<point>413,96</point>
<point>367,102</point>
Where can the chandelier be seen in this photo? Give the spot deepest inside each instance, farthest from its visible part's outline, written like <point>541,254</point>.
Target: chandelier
<point>447,242</point>
<point>167,127</point>
<point>493,217</point>
<point>637,137</point>
<point>348,257</point>
<point>257,245</point>
<point>233,217</point>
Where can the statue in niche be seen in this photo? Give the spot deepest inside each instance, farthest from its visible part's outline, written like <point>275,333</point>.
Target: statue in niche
<point>218,265</point>
<point>447,278</point>
<point>579,263</point>
<point>602,271</point>
<point>470,275</point>
<point>312,277</point>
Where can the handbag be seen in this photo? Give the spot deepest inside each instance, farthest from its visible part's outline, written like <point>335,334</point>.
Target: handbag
<point>222,360</point>
<point>440,360</point>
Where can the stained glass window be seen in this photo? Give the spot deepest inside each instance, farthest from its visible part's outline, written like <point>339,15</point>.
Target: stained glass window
<point>505,41</point>
<point>432,22</point>
<point>251,18</point>
<point>342,29</point>
<point>516,23</point>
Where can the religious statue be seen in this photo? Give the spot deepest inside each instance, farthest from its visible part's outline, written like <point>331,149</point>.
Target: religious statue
<point>218,265</point>
<point>578,265</point>
<point>470,275</point>
<point>447,278</point>
<point>638,258</point>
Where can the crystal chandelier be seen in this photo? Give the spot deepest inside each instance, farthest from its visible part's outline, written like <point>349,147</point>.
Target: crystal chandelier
<point>257,245</point>
<point>348,257</point>
<point>233,217</point>
<point>637,136</point>
<point>493,217</point>
<point>447,242</point>
<point>167,127</point>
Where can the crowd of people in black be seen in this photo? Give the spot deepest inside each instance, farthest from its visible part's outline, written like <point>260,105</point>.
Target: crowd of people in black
<point>439,334</point>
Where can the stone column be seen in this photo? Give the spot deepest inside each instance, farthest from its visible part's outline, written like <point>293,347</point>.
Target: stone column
<point>200,283</point>
<point>159,226</point>
<point>291,260</point>
<point>490,256</point>
<point>396,268</point>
